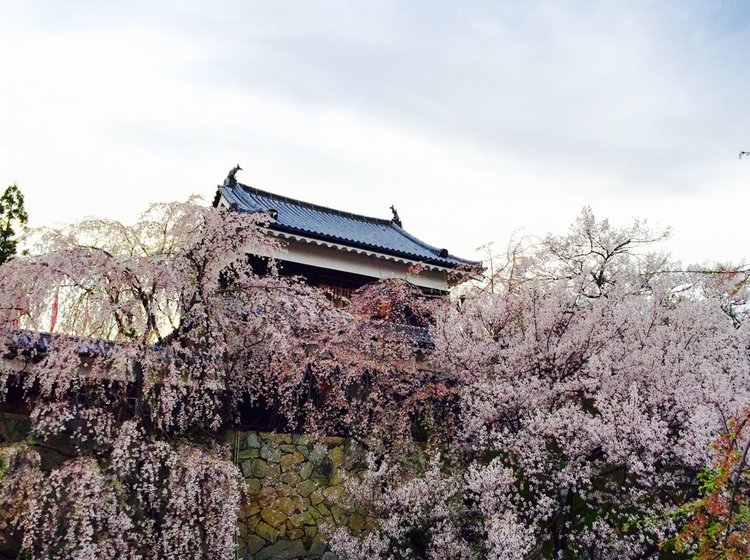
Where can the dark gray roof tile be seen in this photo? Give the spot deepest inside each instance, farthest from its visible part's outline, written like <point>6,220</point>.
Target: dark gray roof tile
<point>295,216</point>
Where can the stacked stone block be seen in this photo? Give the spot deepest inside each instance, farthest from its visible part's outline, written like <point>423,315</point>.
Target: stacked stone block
<point>295,485</point>
<point>13,427</point>
<point>294,488</point>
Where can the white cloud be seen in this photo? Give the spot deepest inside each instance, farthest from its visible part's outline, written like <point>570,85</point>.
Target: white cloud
<point>473,119</point>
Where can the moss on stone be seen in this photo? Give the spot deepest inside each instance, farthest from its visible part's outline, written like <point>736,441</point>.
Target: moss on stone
<point>265,531</point>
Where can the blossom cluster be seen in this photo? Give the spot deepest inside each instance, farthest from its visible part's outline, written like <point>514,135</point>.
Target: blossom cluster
<point>131,341</point>
<point>591,381</point>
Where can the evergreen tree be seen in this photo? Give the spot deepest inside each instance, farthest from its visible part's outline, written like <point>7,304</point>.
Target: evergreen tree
<point>12,215</point>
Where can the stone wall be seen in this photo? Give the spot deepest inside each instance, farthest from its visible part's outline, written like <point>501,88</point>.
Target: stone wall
<point>13,427</point>
<point>295,486</point>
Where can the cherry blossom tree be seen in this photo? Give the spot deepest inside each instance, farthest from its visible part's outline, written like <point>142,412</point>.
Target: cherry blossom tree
<point>592,381</point>
<point>568,409</point>
<point>395,301</point>
<point>139,344</point>
<point>149,499</point>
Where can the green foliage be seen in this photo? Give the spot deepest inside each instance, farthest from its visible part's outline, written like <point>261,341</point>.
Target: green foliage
<point>716,526</point>
<point>3,468</point>
<point>12,216</point>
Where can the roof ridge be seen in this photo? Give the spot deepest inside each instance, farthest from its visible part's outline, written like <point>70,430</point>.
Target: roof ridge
<point>312,205</point>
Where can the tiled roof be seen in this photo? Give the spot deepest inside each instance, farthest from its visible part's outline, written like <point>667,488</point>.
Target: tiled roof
<point>319,222</point>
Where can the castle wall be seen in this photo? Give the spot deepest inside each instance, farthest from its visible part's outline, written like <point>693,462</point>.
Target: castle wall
<point>294,487</point>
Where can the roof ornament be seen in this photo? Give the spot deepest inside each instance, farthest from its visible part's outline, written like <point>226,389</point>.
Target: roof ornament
<point>396,220</point>
<point>230,181</point>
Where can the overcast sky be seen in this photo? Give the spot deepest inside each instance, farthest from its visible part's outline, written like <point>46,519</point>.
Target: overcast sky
<point>474,118</point>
